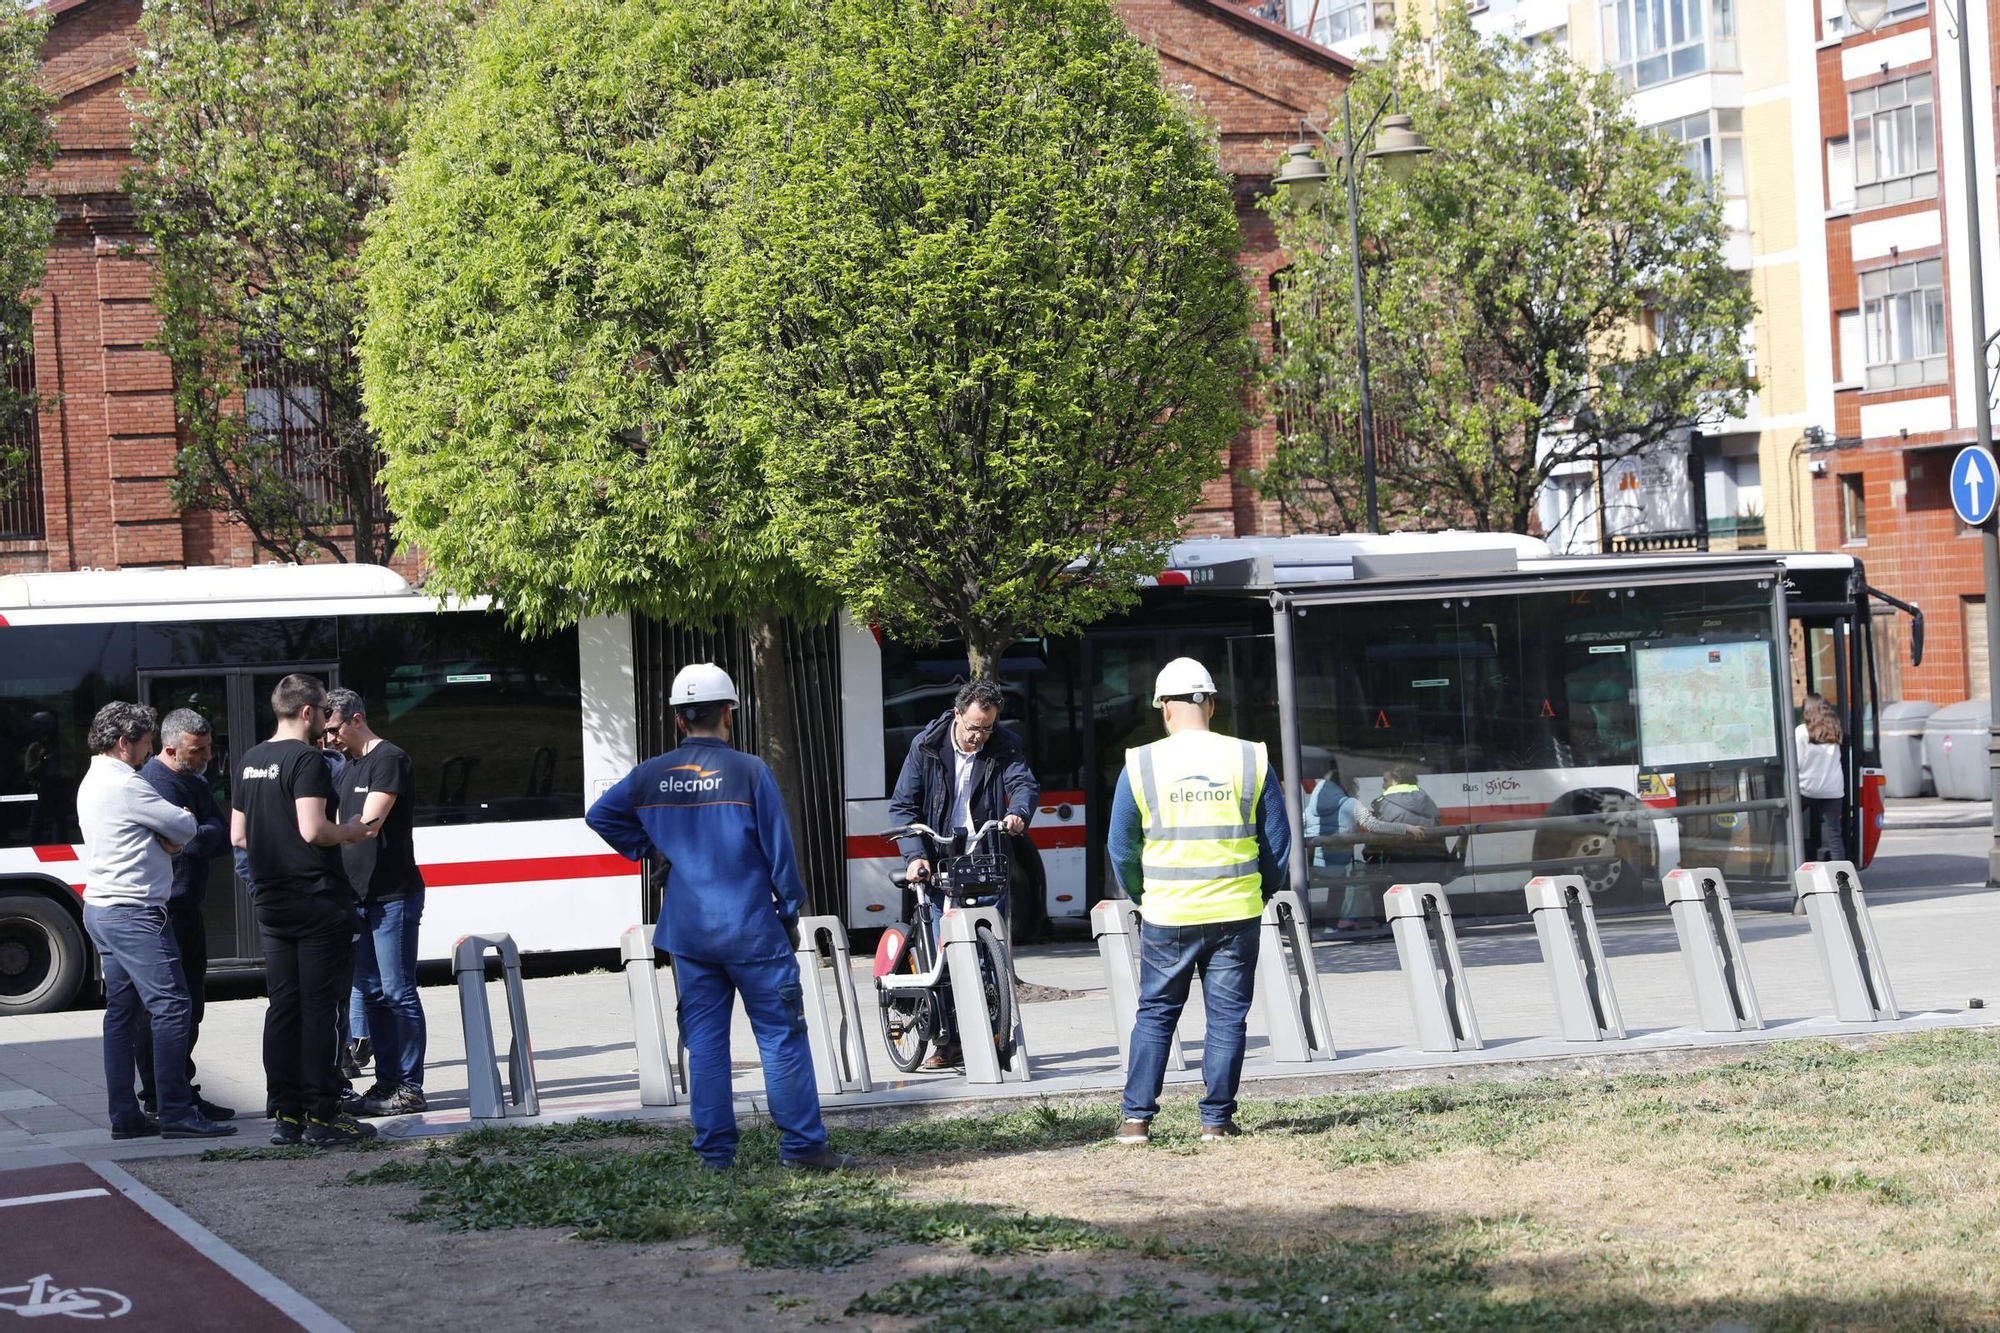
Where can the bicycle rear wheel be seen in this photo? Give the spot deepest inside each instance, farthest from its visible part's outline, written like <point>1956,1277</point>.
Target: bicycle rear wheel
<point>996,985</point>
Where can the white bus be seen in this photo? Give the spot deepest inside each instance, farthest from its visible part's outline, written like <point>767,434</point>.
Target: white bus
<point>1515,705</point>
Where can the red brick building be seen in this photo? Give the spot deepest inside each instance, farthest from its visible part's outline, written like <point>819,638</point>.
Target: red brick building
<point>98,489</point>
<point>1905,372</point>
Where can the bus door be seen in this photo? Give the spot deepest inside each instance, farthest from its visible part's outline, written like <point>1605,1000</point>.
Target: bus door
<point>237,703</point>
<point>1831,643</point>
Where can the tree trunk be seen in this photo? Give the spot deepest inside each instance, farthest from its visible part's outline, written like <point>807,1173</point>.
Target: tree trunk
<point>777,719</point>
<point>983,646</point>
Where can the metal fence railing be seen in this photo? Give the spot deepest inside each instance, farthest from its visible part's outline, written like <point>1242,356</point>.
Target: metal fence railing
<point>21,512</point>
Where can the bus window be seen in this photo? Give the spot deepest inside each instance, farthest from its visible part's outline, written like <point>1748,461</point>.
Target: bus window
<point>1038,678</point>
<point>492,722</point>
<point>233,643</point>
<point>53,679</point>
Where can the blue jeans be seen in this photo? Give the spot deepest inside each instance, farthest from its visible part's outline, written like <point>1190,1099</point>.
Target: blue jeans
<point>1225,954</point>
<point>142,984</point>
<point>775,1002</point>
<point>385,976</point>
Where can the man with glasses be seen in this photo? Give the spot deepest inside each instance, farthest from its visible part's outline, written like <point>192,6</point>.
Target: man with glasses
<point>962,770</point>
<point>283,798</point>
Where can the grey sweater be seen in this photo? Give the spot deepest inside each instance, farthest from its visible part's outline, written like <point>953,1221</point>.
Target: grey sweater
<point>123,820</point>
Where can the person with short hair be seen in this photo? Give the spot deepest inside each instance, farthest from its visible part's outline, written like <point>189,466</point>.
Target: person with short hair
<point>379,784</point>
<point>130,836</point>
<point>282,803</point>
<point>963,770</point>
<point>179,774</point>
<point>729,915</point>
<point>1199,839</point>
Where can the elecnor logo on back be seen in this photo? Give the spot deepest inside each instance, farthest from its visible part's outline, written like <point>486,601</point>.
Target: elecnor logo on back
<point>704,779</point>
<point>1214,791</point>
<point>268,772</point>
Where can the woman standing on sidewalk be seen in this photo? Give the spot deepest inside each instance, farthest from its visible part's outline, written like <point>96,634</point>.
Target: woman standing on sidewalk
<point>1822,785</point>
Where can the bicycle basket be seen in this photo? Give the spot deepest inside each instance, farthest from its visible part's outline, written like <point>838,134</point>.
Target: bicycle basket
<point>976,880</point>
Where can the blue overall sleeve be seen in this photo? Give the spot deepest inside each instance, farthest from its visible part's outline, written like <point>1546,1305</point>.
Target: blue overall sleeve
<point>612,818</point>
<point>1124,840</point>
<point>774,834</point>
<point>1274,842</point>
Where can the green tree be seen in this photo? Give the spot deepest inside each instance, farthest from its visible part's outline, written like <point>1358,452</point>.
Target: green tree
<point>1549,285</point>
<point>27,217</point>
<point>985,308</point>
<point>263,128</point>
<point>546,382</point>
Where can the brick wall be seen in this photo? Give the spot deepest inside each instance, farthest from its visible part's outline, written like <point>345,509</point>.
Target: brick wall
<point>108,436</point>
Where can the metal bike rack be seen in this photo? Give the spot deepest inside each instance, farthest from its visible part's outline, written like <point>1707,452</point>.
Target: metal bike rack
<point>1438,993</point>
<point>1288,991</point>
<point>1848,949</point>
<point>840,1063</point>
<point>1115,923</point>
<point>654,1035</point>
<point>1698,898</point>
<point>958,941</point>
<point>482,1066</point>
<point>1566,925</point>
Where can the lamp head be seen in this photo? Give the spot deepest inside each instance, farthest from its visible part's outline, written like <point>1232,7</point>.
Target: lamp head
<point>1867,15</point>
<point>1302,172</point>
<point>1398,147</point>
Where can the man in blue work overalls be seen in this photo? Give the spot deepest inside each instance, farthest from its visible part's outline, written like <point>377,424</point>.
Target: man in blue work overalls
<point>729,916</point>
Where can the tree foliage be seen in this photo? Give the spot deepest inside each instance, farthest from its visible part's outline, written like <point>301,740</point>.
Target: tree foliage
<point>1548,285</point>
<point>986,312</point>
<point>540,359</point>
<point>27,216</point>
<point>263,130</point>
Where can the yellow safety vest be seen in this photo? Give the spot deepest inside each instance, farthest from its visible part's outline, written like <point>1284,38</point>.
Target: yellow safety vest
<point>1197,795</point>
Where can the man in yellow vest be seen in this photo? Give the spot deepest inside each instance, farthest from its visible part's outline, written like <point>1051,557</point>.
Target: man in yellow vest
<point>1198,839</point>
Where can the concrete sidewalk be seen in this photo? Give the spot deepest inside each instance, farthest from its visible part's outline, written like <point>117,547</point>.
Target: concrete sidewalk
<point>1939,944</point>
<point>1935,812</point>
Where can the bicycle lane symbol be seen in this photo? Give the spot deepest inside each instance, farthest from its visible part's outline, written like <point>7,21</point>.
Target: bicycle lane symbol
<point>45,1298</point>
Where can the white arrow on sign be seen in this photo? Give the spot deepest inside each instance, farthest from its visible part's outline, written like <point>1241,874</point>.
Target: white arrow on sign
<point>1972,479</point>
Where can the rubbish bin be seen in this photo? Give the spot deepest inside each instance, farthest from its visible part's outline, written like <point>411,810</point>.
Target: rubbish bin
<point>1903,746</point>
<point>1955,748</point>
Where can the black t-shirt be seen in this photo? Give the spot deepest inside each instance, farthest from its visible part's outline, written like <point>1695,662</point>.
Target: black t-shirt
<point>385,866</point>
<point>271,779</point>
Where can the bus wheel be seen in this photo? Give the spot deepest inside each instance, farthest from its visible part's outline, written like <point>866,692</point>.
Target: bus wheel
<point>42,955</point>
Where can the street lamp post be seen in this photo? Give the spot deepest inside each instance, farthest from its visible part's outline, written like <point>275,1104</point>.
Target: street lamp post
<point>1398,148</point>
<point>1867,15</point>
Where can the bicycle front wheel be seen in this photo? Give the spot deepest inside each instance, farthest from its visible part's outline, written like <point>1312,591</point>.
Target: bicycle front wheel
<point>997,985</point>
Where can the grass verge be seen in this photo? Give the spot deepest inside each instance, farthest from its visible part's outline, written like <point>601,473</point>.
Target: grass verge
<point>1805,1186</point>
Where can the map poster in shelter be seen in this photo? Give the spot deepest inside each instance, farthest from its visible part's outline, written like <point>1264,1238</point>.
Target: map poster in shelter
<point>1705,703</point>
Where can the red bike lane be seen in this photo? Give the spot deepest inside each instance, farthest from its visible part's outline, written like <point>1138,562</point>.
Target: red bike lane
<point>73,1247</point>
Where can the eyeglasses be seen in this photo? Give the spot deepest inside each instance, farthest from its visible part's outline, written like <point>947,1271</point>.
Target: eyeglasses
<point>971,730</point>
<point>332,728</point>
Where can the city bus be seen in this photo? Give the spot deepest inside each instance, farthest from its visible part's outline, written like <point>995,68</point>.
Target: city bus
<point>1518,702</point>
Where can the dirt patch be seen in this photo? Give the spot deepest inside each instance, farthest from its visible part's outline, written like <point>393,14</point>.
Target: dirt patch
<point>347,1249</point>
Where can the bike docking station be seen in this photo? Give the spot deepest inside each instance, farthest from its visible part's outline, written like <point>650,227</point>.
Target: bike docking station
<point>840,1062</point>
<point>1438,993</point>
<point>1288,984</point>
<point>1003,1059</point>
<point>1573,952</point>
<point>1115,923</point>
<point>482,1066</point>
<point>1848,949</point>
<point>661,1066</point>
<point>1698,899</point>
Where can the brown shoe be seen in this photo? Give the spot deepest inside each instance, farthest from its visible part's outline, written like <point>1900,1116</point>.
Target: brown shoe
<point>944,1057</point>
<point>1135,1132</point>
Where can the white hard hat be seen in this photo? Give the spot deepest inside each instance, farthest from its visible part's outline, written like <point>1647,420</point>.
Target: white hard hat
<point>702,683</point>
<point>1183,676</point>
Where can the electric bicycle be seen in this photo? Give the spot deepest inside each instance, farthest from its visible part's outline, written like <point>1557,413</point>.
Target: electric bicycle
<point>911,979</point>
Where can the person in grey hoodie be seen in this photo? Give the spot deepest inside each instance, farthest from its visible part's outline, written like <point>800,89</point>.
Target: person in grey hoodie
<point>1403,810</point>
<point>130,836</point>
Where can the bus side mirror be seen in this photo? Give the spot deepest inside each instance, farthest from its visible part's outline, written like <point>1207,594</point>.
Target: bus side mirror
<point>1917,641</point>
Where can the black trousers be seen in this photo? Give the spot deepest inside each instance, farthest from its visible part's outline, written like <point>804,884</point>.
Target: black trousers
<point>191,936</point>
<point>308,969</point>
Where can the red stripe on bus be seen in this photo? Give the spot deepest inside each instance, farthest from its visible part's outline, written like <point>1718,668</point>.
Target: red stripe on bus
<point>451,874</point>
<point>63,853</point>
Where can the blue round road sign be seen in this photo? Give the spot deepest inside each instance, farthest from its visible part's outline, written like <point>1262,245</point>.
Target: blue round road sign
<point>1974,482</point>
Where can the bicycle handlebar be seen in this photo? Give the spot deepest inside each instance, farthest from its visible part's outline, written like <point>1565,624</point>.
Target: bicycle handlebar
<point>927,831</point>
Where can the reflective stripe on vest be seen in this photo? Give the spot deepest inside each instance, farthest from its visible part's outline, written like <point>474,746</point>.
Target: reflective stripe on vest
<point>1197,796</point>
